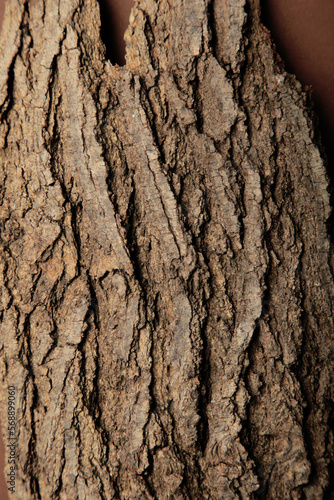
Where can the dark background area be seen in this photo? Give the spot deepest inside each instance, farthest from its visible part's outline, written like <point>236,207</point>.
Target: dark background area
<point>303,31</point>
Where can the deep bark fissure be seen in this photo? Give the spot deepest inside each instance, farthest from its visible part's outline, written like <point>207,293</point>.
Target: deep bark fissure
<point>32,461</point>
<point>8,104</point>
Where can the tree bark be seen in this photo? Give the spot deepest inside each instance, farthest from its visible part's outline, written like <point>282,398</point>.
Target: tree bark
<point>166,290</point>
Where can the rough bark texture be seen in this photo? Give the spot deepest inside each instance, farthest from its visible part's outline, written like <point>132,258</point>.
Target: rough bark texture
<point>166,295</point>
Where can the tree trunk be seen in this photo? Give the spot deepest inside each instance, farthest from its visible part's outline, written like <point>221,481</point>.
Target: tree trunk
<point>167,296</point>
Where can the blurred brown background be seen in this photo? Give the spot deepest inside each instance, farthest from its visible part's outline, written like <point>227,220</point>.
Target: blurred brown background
<point>304,33</point>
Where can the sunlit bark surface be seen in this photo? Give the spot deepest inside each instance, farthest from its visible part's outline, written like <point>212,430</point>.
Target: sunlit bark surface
<point>166,293</point>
